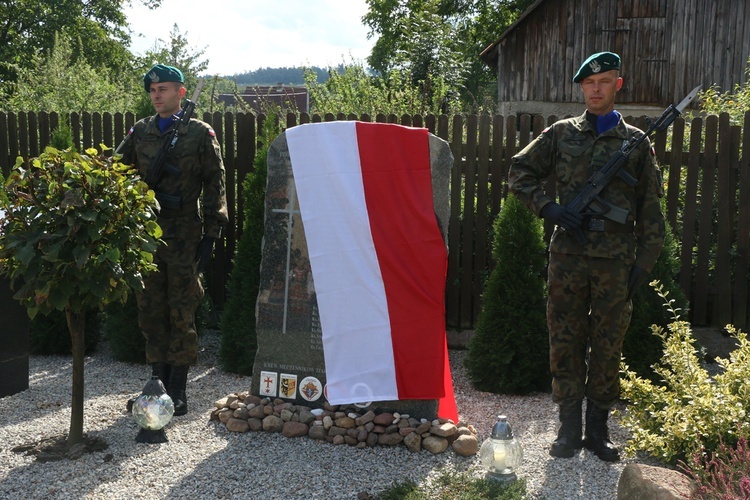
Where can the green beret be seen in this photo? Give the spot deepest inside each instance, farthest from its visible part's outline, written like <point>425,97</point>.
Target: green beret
<point>162,73</point>
<point>597,63</point>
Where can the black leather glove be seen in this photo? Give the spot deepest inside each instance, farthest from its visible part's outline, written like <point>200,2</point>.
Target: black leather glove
<point>204,251</point>
<point>562,216</point>
<point>637,278</point>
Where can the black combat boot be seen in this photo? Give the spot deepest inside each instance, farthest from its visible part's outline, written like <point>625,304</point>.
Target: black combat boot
<point>160,370</point>
<point>597,435</point>
<point>569,436</point>
<point>176,389</point>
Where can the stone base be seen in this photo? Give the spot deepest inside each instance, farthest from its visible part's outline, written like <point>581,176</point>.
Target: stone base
<point>645,482</point>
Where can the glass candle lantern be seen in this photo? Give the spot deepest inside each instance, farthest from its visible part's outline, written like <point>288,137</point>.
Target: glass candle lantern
<point>501,453</point>
<point>153,410</point>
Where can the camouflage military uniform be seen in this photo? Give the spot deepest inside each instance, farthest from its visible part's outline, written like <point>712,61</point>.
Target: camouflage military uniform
<point>167,305</point>
<point>587,309</point>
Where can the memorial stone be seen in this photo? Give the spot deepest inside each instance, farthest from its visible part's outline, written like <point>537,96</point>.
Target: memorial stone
<point>289,362</point>
<point>14,343</point>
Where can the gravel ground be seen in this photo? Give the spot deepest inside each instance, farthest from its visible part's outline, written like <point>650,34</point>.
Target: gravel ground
<point>203,459</point>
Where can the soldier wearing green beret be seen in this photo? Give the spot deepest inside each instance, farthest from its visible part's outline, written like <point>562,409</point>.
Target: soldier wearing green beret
<point>591,284</point>
<point>191,220</point>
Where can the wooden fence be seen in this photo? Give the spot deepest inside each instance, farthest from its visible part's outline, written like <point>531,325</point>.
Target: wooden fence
<point>707,178</point>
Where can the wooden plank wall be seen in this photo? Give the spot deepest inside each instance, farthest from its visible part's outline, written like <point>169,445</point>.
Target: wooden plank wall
<point>706,174</point>
<point>668,47</point>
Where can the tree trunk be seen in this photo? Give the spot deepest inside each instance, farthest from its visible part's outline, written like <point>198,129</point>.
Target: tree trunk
<point>77,326</point>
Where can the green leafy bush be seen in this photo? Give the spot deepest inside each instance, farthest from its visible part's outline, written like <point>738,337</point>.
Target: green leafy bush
<point>238,335</point>
<point>689,410</point>
<point>509,351</point>
<point>641,347</point>
<point>736,102</point>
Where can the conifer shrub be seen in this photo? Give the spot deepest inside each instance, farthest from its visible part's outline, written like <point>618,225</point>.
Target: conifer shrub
<point>49,334</point>
<point>689,411</point>
<point>641,348</point>
<point>509,351</point>
<point>239,340</point>
<point>120,326</point>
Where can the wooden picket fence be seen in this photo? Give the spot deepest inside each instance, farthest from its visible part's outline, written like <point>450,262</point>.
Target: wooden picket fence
<point>707,179</point>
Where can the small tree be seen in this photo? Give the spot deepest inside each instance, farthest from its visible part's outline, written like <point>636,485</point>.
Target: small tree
<point>509,352</point>
<point>78,232</point>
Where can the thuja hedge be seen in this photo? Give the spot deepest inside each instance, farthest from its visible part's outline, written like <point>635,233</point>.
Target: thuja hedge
<point>509,351</point>
<point>238,335</point>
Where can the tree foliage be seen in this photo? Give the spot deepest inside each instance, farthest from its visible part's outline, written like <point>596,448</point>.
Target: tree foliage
<point>97,27</point>
<point>354,90</point>
<point>58,81</point>
<point>736,102</point>
<point>285,75</point>
<point>78,230</point>
<point>431,38</point>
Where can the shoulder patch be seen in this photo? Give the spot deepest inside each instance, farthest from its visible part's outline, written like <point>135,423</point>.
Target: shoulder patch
<point>653,151</point>
<point>211,132</point>
<point>546,129</point>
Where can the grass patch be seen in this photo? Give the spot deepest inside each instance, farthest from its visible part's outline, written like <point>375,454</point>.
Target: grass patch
<point>456,486</point>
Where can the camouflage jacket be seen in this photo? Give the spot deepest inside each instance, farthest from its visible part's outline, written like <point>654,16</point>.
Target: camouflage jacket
<point>198,169</point>
<point>571,150</point>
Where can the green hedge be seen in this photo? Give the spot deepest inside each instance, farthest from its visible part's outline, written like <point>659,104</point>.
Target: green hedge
<point>509,351</point>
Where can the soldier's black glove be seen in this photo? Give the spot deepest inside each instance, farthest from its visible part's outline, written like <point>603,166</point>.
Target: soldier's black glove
<point>204,251</point>
<point>637,278</point>
<point>562,216</point>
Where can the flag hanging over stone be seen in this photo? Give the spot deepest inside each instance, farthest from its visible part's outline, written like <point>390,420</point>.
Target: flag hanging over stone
<point>378,259</point>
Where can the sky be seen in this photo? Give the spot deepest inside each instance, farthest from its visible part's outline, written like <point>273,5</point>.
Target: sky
<point>245,35</point>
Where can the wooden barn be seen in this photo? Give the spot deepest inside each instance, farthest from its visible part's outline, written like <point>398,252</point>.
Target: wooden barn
<point>667,48</point>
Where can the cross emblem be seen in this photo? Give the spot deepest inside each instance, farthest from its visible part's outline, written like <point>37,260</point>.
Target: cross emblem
<point>290,210</point>
<point>268,381</point>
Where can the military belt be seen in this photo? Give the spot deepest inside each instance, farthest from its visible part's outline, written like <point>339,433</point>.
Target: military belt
<point>173,206</point>
<point>599,225</point>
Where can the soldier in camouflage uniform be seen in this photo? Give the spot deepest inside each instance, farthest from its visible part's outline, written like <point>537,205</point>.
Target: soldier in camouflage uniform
<point>167,304</point>
<point>591,284</point>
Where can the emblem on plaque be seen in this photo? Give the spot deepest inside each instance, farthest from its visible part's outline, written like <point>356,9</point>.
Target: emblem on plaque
<point>310,389</point>
<point>288,386</point>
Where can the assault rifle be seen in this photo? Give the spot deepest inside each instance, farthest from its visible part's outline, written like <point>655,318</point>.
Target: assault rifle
<point>589,203</point>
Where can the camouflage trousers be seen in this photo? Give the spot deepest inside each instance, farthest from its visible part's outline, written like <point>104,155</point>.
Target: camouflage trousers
<point>167,305</point>
<point>587,315</point>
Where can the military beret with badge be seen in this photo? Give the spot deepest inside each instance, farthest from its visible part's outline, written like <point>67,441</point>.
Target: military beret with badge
<point>597,63</point>
<point>162,73</point>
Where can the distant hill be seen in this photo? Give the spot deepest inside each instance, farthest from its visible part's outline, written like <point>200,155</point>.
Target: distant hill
<point>273,76</point>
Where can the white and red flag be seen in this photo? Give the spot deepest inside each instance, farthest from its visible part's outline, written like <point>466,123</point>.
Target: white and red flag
<point>378,260</point>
